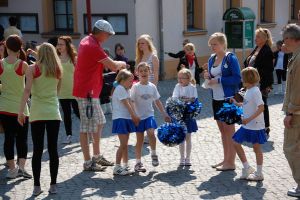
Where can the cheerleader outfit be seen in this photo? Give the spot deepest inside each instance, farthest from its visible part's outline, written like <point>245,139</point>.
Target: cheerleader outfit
<point>189,91</point>
<point>122,122</point>
<point>143,97</point>
<point>254,131</point>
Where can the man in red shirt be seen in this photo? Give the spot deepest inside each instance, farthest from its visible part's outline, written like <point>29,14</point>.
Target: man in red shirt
<point>88,82</point>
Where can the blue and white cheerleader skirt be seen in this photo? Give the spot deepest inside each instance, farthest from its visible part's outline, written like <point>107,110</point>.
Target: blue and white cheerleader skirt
<point>123,126</point>
<point>191,125</point>
<point>146,124</point>
<point>251,136</point>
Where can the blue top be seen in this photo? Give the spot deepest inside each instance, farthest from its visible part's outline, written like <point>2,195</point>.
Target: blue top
<point>231,73</point>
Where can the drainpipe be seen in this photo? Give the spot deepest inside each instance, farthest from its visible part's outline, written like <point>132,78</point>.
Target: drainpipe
<point>161,40</point>
<point>89,17</point>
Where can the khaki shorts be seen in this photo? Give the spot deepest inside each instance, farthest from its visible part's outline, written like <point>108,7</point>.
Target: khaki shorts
<point>90,125</point>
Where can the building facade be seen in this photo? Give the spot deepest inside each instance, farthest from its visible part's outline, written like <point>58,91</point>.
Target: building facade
<point>169,22</point>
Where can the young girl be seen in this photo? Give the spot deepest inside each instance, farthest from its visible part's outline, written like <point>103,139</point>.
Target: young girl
<point>67,54</point>
<point>43,82</point>
<point>186,90</point>
<point>124,118</point>
<point>12,77</point>
<point>253,128</point>
<point>143,94</point>
<point>146,52</point>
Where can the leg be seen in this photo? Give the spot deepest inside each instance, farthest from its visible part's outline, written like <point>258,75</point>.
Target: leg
<point>231,153</point>
<point>181,151</point>
<point>75,108</point>
<point>152,139</point>
<point>258,154</point>
<point>240,152</point>
<point>85,146</point>
<point>9,139</point>
<point>97,136</point>
<point>21,143</point>
<point>266,112</point>
<point>139,145</point>
<point>220,126</point>
<point>37,132</point>
<point>188,144</point>
<point>122,152</point>
<point>66,107</point>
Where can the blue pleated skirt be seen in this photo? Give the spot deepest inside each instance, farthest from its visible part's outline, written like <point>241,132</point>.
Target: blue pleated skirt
<point>191,125</point>
<point>251,136</point>
<point>123,126</point>
<point>146,124</point>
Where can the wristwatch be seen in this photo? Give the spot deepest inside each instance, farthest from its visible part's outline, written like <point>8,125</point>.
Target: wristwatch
<point>289,114</point>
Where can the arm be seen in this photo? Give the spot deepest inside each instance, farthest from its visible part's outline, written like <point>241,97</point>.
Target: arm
<point>24,67</point>
<point>294,94</point>
<point>160,107</point>
<point>155,62</point>
<point>113,65</point>
<point>26,94</point>
<point>130,109</point>
<point>179,54</point>
<point>257,112</point>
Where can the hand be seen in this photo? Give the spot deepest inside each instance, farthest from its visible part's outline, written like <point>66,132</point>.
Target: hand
<point>232,100</point>
<point>136,120</point>
<point>245,121</point>
<point>21,119</point>
<point>212,81</point>
<point>205,66</point>
<point>168,118</point>
<point>121,65</point>
<point>288,121</point>
<point>206,75</point>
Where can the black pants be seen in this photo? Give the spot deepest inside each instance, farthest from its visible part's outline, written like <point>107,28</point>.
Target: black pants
<point>281,75</point>
<point>266,111</point>
<point>66,105</point>
<point>38,132</point>
<point>13,131</point>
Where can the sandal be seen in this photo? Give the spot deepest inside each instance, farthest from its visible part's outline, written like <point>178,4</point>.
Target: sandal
<point>217,165</point>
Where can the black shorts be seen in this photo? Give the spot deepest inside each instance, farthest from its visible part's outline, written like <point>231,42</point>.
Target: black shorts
<point>217,105</point>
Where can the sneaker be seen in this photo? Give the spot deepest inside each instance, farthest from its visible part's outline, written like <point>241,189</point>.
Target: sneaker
<point>12,173</point>
<point>294,192</point>
<point>23,173</point>
<point>255,177</point>
<point>53,189</point>
<point>37,190</point>
<point>122,171</point>
<point>94,167</point>
<point>246,172</point>
<point>68,140</point>
<point>102,161</point>
<point>139,167</point>
<point>129,170</point>
<point>155,161</point>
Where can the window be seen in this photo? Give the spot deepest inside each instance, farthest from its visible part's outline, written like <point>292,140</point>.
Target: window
<point>232,4</point>
<point>63,18</point>
<point>27,23</point>
<point>267,11</point>
<point>194,16</point>
<point>3,3</point>
<point>119,22</point>
<point>295,7</point>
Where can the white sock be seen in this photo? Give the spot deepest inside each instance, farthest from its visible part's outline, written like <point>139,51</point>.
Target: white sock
<point>125,164</point>
<point>259,169</point>
<point>246,165</point>
<point>138,161</point>
<point>153,152</point>
<point>181,150</point>
<point>96,156</point>
<point>188,146</point>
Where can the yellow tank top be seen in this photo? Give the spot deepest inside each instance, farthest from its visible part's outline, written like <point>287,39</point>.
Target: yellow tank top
<point>66,88</point>
<point>12,89</point>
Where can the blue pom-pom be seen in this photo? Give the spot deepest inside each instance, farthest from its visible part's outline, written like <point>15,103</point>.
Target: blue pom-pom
<point>175,108</point>
<point>192,109</point>
<point>171,134</point>
<point>230,114</point>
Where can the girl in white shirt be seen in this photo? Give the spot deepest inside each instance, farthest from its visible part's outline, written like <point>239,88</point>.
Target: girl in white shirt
<point>253,128</point>
<point>143,94</point>
<point>186,90</point>
<point>124,118</point>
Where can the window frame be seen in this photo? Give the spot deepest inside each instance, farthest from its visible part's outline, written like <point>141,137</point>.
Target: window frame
<point>105,17</point>
<point>294,8</point>
<point>19,16</point>
<point>67,15</point>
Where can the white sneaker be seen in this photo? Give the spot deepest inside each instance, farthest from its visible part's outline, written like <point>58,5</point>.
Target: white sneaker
<point>294,192</point>
<point>255,177</point>
<point>68,140</point>
<point>122,171</point>
<point>246,172</point>
<point>12,173</point>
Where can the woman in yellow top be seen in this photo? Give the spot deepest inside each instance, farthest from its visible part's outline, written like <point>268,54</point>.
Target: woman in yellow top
<point>67,54</point>
<point>12,77</point>
<point>43,82</point>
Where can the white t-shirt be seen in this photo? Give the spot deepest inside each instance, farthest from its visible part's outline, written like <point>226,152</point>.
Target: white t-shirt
<point>279,64</point>
<point>143,97</point>
<point>218,92</point>
<point>119,109</point>
<point>189,91</point>
<point>252,100</point>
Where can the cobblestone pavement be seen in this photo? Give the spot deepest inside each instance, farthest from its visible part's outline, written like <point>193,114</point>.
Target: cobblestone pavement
<point>166,181</point>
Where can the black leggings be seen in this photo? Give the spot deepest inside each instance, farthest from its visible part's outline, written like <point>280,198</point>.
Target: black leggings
<point>14,131</point>
<point>66,105</point>
<point>281,75</point>
<point>38,132</point>
<point>266,111</point>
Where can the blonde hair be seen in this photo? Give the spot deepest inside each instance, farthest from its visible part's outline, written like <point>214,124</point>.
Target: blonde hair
<point>220,37</point>
<point>139,53</point>
<point>188,73</point>
<point>49,60</point>
<point>142,64</point>
<point>250,75</point>
<point>266,34</point>
<point>190,47</point>
<point>123,75</point>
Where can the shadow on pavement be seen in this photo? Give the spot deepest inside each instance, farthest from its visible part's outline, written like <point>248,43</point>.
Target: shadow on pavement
<point>176,177</point>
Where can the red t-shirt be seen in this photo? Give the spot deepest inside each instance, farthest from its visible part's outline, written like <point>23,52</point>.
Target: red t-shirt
<point>88,71</point>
